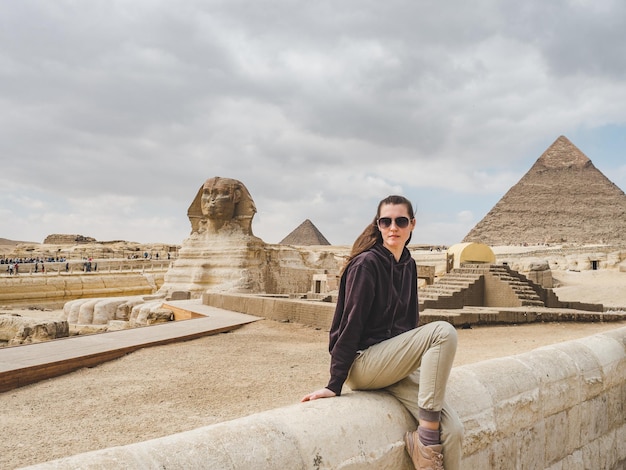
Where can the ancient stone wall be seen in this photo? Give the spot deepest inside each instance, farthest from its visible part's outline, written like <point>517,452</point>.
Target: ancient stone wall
<point>570,258</point>
<point>290,269</point>
<point>53,290</point>
<point>65,239</point>
<point>319,314</point>
<point>498,293</point>
<point>246,264</point>
<point>557,407</point>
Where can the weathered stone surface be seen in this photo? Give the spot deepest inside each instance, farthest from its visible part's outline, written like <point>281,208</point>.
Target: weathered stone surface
<point>100,312</point>
<point>17,329</point>
<point>542,265</point>
<point>116,325</point>
<point>180,295</point>
<point>148,313</point>
<point>65,239</point>
<point>85,312</point>
<point>500,402</point>
<point>567,258</point>
<point>87,329</point>
<point>159,315</point>
<point>56,289</point>
<point>220,264</point>
<point>105,310</point>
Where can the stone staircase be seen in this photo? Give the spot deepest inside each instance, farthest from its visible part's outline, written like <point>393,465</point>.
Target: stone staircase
<point>524,289</point>
<point>465,286</point>
<point>454,290</point>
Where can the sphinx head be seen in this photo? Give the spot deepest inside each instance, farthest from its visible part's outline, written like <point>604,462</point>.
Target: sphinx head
<point>222,203</point>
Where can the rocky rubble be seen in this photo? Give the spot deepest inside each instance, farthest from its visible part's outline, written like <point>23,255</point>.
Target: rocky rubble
<point>16,329</point>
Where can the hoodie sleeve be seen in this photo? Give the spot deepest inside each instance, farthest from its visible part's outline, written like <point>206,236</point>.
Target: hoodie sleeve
<point>349,321</point>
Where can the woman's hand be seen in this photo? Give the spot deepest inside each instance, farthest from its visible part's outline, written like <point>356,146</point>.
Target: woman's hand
<point>321,393</point>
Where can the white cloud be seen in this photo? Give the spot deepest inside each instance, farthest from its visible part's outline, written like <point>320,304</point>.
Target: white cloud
<point>114,113</point>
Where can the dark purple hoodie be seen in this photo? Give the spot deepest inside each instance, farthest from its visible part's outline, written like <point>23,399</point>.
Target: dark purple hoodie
<point>377,301</point>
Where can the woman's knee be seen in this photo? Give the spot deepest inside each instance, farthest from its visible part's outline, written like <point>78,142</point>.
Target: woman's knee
<point>446,331</point>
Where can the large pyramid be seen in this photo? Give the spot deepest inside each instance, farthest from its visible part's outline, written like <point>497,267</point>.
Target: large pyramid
<point>563,198</point>
<point>305,234</point>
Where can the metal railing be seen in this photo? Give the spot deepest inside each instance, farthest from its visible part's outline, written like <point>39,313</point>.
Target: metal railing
<point>82,267</point>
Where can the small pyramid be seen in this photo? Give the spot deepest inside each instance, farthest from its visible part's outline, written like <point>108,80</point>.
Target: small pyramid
<point>563,198</point>
<point>305,234</point>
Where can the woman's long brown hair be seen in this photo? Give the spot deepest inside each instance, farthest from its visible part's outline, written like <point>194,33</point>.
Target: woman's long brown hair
<point>371,235</point>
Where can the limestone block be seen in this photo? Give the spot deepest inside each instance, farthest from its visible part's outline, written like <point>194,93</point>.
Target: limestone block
<point>71,309</point>
<point>556,466</point>
<point>85,312</point>
<point>591,377</point>
<point>572,263</point>
<point>300,436</point>
<point>181,295</point>
<point>141,312</point>
<point>503,454</point>
<point>572,432</point>
<point>87,329</point>
<point>610,355</point>
<point>92,283</point>
<point>571,462</point>
<point>614,258</point>
<point>478,461</point>
<point>608,449</point>
<point>557,376</point>
<point>124,309</point>
<point>514,391</point>
<point>615,407</point>
<point>73,286</point>
<point>138,315</point>
<point>543,278</point>
<point>556,448</point>
<point>591,455</point>
<point>116,325</point>
<point>525,445</point>
<point>620,436</point>
<point>17,329</point>
<point>594,414</point>
<point>159,315</point>
<point>105,309</point>
<point>539,265</point>
<point>475,405</point>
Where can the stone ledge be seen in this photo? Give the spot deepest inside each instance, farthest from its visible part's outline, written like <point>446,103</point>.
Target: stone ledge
<point>320,314</point>
<point>560,406</point>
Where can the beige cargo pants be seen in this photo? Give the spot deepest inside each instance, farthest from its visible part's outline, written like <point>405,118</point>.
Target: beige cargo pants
<point>414,367</point>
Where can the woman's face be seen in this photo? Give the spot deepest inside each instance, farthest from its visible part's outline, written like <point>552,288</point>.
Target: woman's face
<point>394,237</point>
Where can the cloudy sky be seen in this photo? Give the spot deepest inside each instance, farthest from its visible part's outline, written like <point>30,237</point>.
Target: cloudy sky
<point>114,112</point>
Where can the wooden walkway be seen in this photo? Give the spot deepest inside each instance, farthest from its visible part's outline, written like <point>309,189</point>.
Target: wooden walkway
<point>30,363</point>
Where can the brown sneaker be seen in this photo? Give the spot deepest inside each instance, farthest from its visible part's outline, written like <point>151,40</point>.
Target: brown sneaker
<point>423,457</point>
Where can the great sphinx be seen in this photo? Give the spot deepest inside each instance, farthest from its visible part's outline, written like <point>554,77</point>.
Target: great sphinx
<point>221,253</point>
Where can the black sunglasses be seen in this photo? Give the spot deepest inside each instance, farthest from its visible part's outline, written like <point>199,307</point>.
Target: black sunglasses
<point>385,222</point>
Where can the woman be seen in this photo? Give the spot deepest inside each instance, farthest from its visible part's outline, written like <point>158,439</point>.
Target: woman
<point>375,342</point>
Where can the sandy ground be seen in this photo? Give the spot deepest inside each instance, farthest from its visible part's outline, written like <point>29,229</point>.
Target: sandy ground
<point>167,389</point>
